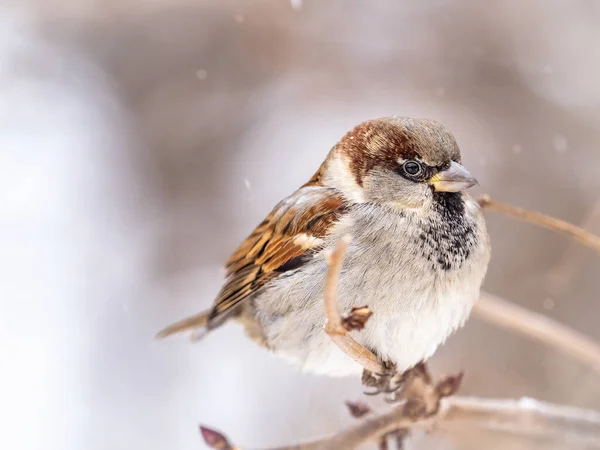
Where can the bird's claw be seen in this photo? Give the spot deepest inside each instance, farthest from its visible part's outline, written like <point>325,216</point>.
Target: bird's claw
<point>387,382</point>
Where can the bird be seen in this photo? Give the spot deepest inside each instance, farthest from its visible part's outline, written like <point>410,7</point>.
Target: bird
<point>418,254</point>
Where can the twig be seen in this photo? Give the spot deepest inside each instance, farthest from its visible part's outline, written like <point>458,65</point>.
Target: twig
<point>528,323</point>
<point>525,417</point>
<point>334,326</point>
<point>539,327</point>
<point>562,275</point>
<point>584,237</point>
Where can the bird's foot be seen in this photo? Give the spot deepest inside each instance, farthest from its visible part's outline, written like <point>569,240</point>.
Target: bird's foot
<point>390,380</point>
<point>387,382</point>
<point>414,390</point>
<point>415,387</point>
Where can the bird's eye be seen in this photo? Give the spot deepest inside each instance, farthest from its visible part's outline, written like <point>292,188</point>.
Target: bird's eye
<point>412,168</point>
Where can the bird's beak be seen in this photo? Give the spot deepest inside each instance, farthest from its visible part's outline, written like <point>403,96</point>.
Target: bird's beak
<point>454,179</point>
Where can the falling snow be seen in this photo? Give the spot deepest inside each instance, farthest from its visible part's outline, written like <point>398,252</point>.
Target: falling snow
<point>201,74</point>
<point>548,304</point>
<point>560,143</point>
<point>517,148</point>
<point>247,183</point>
<point>296,4</point>
<point>239,18</point>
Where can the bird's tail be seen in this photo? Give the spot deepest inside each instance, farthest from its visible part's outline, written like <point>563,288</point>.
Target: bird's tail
<point>198,324</point>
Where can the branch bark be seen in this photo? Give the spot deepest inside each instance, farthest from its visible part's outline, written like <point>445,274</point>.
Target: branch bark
<point>334,327</point>
<point>525,417</point>
<point>528,323</point>
<point>539,327</point>
<point>579,234</point>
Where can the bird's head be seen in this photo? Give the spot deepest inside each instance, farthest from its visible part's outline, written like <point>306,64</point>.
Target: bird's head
<point>399,162</point>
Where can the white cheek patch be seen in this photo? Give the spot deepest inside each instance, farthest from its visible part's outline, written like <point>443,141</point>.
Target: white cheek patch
<point>339,176</point>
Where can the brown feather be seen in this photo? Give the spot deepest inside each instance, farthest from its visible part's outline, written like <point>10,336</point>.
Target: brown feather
<point>291,230</point>
<point>189,323</point>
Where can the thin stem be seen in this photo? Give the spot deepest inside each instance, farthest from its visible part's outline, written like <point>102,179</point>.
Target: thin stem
<point>333,327</point>
<point>332,278</point>
<point>539,327</point>
<point>584,237</point>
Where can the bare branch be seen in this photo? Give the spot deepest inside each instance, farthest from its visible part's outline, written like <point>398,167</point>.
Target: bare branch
<point>334,327</point>
<point>570,263</point>
<point>584,237</point>
<point>525,417</point>
<point>539,327</point>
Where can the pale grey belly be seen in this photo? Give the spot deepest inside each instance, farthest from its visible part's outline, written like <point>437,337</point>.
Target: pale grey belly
<point>415,308</point>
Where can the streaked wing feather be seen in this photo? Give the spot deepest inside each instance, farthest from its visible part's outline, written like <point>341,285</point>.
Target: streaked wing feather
<point>293,229</point>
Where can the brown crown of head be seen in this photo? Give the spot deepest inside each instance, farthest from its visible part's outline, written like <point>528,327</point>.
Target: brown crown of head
<point>386,141</point>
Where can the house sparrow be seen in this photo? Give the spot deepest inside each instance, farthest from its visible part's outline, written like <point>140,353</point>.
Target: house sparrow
<point>418,255</point>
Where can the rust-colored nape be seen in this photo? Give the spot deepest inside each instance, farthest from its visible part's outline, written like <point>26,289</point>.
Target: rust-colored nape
<point>384,142</point>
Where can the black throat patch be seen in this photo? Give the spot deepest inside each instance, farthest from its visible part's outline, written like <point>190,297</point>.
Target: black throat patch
<point>448,237</point>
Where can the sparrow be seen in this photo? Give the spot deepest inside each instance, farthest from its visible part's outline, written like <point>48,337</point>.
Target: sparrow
<point>418,254</point>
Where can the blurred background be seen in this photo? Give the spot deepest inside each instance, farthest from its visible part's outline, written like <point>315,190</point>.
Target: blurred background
<point>140,141</point>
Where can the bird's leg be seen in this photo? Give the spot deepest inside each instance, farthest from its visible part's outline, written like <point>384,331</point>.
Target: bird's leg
<point>390,381</point>
<point>386,382</point>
